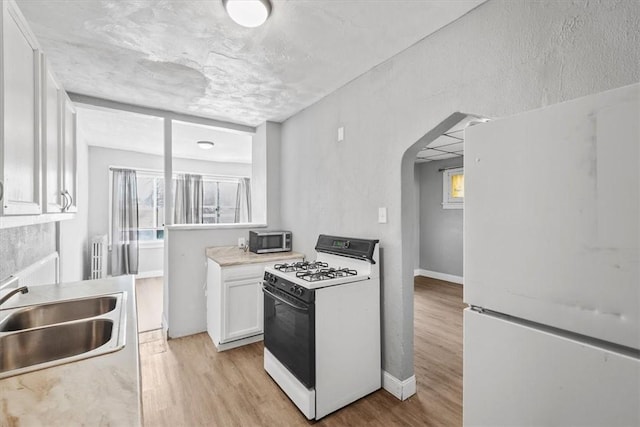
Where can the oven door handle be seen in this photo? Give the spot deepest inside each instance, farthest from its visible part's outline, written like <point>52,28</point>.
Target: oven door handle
<point>274,296</point>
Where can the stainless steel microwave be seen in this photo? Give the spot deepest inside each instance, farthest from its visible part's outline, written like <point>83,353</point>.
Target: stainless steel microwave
<point>262,242</point>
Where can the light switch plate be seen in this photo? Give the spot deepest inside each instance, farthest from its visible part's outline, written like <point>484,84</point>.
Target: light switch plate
<point>382,215</point>
<point>341,133</point>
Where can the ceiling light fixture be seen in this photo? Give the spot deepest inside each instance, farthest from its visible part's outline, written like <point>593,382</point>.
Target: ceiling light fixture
<point>248,13</point>
<point>205,145</point>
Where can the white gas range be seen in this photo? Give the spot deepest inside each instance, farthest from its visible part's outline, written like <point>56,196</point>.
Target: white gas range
<point>322,325</point>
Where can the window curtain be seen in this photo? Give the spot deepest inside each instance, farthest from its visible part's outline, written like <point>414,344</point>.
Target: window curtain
<point>243,201</point>
<point>189,196</point>
<point>124,226</point>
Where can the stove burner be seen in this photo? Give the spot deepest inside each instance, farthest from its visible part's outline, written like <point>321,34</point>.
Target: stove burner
<point>325,274</point>
<point>300,266</point>
<point>285,268</point>
<point>313,265</point>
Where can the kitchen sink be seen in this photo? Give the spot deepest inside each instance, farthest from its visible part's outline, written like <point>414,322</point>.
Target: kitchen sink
<point>36,346</point>
<point>44,335</point>
<point>64,311</point>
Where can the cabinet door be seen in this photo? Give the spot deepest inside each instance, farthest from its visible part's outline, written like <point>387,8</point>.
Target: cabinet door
<point>20,142</point>
<point>243,308</point>
<point>70,167</point>
<point>51,141</point>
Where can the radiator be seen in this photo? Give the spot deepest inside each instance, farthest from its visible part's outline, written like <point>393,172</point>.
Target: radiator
<point>99,256</point>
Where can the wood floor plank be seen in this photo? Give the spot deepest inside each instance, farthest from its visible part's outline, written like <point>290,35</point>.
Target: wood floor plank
<point>186,382</point>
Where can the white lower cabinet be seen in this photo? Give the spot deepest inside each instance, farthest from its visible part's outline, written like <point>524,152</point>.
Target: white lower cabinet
<point>234,303</point>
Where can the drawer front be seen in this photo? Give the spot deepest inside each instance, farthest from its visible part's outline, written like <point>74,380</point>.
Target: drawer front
<point>243,272</point>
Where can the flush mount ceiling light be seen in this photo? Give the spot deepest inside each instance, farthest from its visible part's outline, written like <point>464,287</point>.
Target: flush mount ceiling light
<point>248,13</point>
<point>205,145</point>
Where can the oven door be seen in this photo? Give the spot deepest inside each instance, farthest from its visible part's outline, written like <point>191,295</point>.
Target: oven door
<point>289,333</point>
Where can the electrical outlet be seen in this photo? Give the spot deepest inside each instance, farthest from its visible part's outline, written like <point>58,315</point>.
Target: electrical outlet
<point>242,242</point>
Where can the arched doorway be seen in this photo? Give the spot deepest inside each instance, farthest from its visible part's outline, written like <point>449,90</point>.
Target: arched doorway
<point>437,314</point>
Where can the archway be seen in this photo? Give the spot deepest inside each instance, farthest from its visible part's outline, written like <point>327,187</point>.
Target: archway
<point>409,244</point>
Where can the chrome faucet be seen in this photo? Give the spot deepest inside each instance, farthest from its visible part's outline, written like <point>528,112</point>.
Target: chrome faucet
<point>21,289</point>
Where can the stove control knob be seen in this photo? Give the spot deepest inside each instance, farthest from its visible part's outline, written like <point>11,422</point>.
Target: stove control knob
<point>273,279</point>
<point>293,289</point>
<point>299,291</point>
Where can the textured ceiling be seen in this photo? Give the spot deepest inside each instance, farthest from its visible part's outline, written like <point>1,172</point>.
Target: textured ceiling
<point>188,56</point>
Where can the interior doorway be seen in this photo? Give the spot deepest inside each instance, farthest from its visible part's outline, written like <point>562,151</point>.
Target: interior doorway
<point>432,231</point>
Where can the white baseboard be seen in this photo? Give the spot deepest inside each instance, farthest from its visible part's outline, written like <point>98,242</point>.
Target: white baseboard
<point>147,274</point>
<point>439,276</point>
<point>402,390</point>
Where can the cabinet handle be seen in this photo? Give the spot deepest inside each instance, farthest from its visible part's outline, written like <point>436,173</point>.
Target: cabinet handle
<point>64,203</point>
<point>1,190</point>
<point>70,199</point>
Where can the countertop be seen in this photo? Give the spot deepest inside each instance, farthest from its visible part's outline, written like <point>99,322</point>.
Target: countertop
<point>232,255</point>
<point>102,390</point>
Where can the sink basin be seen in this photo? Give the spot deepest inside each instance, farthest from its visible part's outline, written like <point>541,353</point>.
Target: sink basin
<point>49,334</point>
<point>36,346</point>
<point>64,311</point>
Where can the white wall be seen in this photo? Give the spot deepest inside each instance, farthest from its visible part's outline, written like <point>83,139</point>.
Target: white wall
<point>184,309</point>
<point>265,184</point>
<point>185,304</point>
<point>100,159</point>
<point>73,240</point>
<point>502,58</point>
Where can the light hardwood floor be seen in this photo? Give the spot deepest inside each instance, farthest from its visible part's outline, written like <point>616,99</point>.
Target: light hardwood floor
<point>185,382</point>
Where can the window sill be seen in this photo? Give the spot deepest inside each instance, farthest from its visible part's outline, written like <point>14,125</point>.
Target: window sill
<point>453,206</point>
<point>178,227</point>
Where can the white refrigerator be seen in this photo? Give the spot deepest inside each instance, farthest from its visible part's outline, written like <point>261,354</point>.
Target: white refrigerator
<point>551,265</point>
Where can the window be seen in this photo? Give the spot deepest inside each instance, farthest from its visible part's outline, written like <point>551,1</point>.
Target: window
<point>219,202</point>
<point>150,206</point>
<point>453,188</point>
<point>219,206</point>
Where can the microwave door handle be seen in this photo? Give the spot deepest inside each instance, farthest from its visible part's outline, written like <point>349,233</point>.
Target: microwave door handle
<point>274,296</point>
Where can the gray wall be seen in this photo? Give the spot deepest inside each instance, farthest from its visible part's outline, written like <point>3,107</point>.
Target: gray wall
<point>22,246</point>
<point>502,58</point>
<point>440,230</point>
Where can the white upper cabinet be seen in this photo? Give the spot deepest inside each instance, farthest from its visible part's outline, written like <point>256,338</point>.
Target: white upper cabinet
<point>38,153</point>
<point>20,179</point>
<point>52,141</point>
<point>70,167</point>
